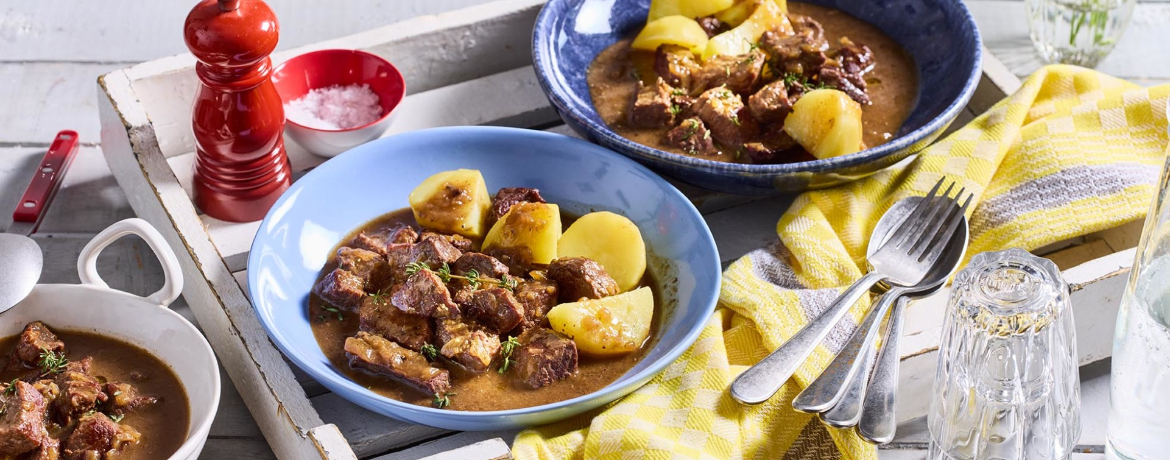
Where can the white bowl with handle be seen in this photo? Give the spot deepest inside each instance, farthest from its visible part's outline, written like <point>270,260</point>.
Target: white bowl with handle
<point>94,307</point>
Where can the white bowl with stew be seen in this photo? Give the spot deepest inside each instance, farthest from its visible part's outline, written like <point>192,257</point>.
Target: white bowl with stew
<point>94,309</point>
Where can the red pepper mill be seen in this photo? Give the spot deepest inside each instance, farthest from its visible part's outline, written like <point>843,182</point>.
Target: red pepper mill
<point>241,167</point>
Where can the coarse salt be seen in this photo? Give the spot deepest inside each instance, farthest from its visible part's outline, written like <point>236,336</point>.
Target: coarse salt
<point>335,107</point>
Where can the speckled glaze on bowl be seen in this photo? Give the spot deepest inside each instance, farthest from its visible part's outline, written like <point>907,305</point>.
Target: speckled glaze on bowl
<point>940,35</point>
<point>331,200</point>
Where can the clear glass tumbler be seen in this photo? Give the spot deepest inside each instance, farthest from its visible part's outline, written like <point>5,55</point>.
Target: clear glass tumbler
<point>1007,386</point>
<point>1139,426</point>
<point>1080,32</point>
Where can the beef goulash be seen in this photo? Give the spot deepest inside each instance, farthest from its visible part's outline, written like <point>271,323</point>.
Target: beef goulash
<point>754,81</point>
<point>80,396</point>
<point>467,301</point>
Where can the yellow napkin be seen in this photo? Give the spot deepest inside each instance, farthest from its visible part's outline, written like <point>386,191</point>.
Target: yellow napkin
<point>1072,152</point>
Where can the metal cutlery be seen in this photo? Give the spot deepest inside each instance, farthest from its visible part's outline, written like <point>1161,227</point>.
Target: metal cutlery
<point>903,260</point>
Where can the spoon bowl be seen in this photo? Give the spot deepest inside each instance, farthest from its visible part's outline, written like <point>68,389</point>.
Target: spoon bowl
<point>21,269</point>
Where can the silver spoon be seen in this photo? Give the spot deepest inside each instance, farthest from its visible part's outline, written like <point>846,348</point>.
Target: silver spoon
<point>21,268</point>
<point>824,393</point>
<point>848,410</point>
<point>904,260</point>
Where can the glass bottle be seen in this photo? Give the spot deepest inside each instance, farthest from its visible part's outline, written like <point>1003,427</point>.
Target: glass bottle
<point>1139,428</point>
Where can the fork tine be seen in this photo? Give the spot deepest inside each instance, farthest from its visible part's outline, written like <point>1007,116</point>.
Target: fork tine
<point>907,227</point>
<point>940,241</point>
<point>931,221</point>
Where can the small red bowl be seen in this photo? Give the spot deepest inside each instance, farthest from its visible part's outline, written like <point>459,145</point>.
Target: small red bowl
<point>321,69</point>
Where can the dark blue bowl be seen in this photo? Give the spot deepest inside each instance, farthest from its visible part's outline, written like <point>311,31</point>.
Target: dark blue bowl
<point>940,35</point>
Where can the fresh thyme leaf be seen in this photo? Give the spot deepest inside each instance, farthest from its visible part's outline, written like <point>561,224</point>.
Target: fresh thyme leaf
<point>117,418</point>
<point>675,109</point>
<point>508,282</point>
<point>445,273</point>
<point>335,310</point>
<point>473,278</point>
<point>692,128</point>
<point>415,267</point>
<point>678,92</point>
<point>429,351</point>
<point>443,400</point>
<point>11,387</point>
<point>52,362</point>
<point>506,349</point>
<point>379,297</point>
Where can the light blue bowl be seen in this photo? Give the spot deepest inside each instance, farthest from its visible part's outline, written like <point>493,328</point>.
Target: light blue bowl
<point>373,179</point>
<point>940,35</point>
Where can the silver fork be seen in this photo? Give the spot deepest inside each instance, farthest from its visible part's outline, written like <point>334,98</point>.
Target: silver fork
<point>903,260</point>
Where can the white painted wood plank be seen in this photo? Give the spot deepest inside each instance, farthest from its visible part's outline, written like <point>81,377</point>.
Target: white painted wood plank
<point>97,31</point>
<point>221,448</point>
<point>369,433</point>
<point>43,98</point>
<point>468,445</point>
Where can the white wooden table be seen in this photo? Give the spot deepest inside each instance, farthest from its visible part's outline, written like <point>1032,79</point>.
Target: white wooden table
<point>51,53</point>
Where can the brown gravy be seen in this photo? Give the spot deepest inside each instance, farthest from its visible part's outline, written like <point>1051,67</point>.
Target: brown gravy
<point>892,84</point>
<point>163,425</point>
<point>469,391</point>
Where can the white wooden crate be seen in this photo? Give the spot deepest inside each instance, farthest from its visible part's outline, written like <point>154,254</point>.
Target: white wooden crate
<point>470,67</point>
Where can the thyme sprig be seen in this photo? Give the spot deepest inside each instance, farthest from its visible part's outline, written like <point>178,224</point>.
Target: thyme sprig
<point>473,278</point>
<point>11,387</point>
<point>117,418</point>
<point>430,352</point>
<point>334,310</point>
<point>52,362</point>
<point>506,349</point>
<point>441,401</point>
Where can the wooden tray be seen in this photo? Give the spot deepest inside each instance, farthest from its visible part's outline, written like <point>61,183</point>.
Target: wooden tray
<point>469,67</point>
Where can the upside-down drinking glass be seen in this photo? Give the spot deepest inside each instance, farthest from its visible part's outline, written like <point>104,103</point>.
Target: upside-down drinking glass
<point>1007,386</point>
<point>1080,32</point>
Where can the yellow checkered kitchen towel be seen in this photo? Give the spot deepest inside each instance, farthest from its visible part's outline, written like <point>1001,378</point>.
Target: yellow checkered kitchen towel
<point>1071,152</point>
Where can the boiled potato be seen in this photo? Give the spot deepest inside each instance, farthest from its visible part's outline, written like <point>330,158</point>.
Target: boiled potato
<point>739,12</point>
<point>685,8</point>
<point>452,202</point>
<point>673,30</point>
<point>532,229</point>
<point>611,240</point>
<point>767,16</point>
<point>826,122</point>
<point>607,326</point>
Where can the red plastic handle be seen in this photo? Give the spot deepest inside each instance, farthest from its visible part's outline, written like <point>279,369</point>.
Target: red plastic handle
<point>47,179</point>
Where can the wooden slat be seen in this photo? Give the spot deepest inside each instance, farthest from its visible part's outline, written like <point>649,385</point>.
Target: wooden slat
<point>46,97</point>
<point>463,446</point>
<point>89,199</point>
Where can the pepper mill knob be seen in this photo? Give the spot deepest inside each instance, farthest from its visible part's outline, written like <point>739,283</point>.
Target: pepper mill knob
<point>241,167</point>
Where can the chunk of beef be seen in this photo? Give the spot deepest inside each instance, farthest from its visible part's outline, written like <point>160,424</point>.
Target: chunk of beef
<point>712,25</point>
<point>737,73</point>
<point>675,64</point>
<point>725,115</point>
<point>581,278</point>
<point>125,398</point>
<point>50,450</point>
<point>801,54</point>
<point>434,252</point>
<point>458,241</point>
<point>424,294</point>
<point>773,102</point>
<point>466,344</point>
<point>775,146</point>
<point>758,153</point>
<point>22,425</point>
<point>692,136</point>
<point>398,256</point>
<point>80,391</point>
<point>374,354</point>
<point>341,289</point>
<point>379,240</point>
<point>518,260</point>
<point>809,30</point>
<point>98,438</point>
<point>34,340</point>
<point>537,297</point>
<point>853,85</point>
<point>483,264</point>
<point>544,357</point>
<point>511,196</point>
<point>378,316</point>
<point>495,308</point>
<point>855,58</point>
<point>368,265</point>
<point>651,106</point>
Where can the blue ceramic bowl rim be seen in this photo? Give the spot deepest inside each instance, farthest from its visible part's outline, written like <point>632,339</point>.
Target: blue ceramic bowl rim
<point>541,46</point>
<point>333,380</point>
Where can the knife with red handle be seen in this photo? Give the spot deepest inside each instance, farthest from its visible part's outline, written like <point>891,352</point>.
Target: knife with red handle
<point>45,182</point>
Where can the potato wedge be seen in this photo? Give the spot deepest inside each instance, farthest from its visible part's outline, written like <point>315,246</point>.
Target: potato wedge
<point>530,229</point>
<point>685,8</point>
<point>609,326</point>
<point>739,12</point>
<point>611,240</point>
<point>826,122</point>
<point>452,202</point>
<point>767,16</point>
<point>673,30</point>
